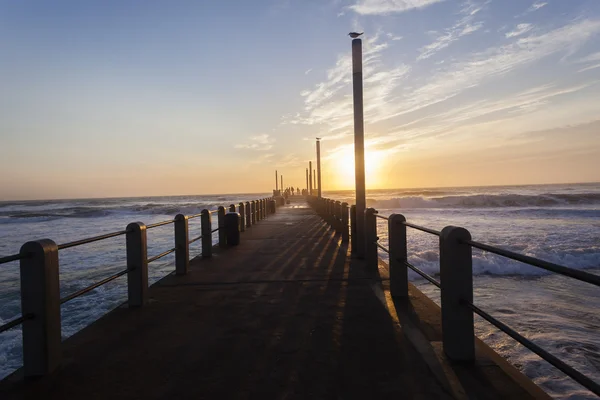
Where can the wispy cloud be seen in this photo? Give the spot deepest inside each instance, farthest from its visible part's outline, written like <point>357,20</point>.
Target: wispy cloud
<point>308,71</point>
<point>464,26</point>
<point>537,5</point>
<point>370,7</point>
<point>329,103</point>
<point>494,62</point>
<point>391,36</point>
<point>519,30</point>
<point>259,143</point>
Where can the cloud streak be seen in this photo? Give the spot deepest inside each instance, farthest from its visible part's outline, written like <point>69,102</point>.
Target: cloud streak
<point>464,26</point>
<point>258,143</point>
<point>519,30</point>
<point>374,7</point>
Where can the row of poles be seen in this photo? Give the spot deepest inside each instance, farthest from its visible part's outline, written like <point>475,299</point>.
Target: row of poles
<point>313,177</point>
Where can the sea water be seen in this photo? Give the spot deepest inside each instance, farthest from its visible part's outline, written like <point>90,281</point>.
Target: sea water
<point>557,223</point>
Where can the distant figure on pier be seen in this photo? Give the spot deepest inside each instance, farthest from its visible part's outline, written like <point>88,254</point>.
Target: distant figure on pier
<point>292,190</point>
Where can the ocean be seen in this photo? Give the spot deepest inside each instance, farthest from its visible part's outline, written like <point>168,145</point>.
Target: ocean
<point>557,223</point>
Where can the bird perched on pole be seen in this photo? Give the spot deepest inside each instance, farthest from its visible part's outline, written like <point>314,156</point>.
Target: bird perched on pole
<point>354,35</point>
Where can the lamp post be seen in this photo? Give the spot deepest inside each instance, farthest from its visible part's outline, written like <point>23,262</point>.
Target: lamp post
<point>319,167</point>
<point>359,145</point>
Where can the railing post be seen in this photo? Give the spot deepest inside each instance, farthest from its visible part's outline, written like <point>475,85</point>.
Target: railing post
<point>338,216</point>
<point>265,210</point>
<point>232,208</point>
<point>371,257</point>
<point>137,264</point>
<point>232,228</point>
<point>40,298</point>
<point>182,245</point>
<point>456,276</point>
<point>248,214</point>
<point>242,217</point>
<point>345,227</point>
<point>259,215</point>
<point>221,224</point>
<point>253,212</point>
<point>398,255</point>
<point>206,229</point>
<point>353,236</point>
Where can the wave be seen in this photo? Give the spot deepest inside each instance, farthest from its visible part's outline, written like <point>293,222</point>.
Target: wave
<point>488,201</point>
<point>97,212</point>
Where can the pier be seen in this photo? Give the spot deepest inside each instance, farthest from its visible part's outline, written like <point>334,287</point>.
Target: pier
<point>287,312</point>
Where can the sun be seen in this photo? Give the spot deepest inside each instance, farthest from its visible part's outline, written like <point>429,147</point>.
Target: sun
<point>343,164</point>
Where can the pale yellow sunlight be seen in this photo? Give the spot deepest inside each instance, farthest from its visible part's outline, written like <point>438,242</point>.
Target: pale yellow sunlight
<point>342,162</point>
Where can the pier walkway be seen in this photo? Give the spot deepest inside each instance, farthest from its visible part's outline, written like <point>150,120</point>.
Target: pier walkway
<point>286,314</point>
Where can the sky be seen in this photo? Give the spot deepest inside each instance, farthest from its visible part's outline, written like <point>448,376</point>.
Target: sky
<point>138,98</point>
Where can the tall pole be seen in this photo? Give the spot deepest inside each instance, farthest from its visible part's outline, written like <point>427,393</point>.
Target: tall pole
<point>319,167</point>
<point>310,179</point>
<point>276,188</point>
<point>281,176</point>
<point>315,180</point>
<point>307,181</point>
<point>359,146</point>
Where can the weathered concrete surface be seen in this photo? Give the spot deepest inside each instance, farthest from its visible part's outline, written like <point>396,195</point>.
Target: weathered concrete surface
<point>286,314</point>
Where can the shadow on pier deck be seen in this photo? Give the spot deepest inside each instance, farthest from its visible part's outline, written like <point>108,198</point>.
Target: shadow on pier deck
<point>286,314</point>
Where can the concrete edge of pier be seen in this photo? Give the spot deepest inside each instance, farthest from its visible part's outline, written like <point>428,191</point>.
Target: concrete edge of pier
<point>420,318</point>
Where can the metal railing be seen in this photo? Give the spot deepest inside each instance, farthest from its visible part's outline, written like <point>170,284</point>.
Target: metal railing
<point>40,285</point>
<point>456,281</point>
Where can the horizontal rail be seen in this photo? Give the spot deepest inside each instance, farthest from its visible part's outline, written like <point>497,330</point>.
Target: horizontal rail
<point>195,239</point>
<point>90,240</point>
<point>214,230</point>
<point>160,224</point>
<point>7,259</point>
<point>548,266</point>
<point>194,216</point>
<point>570,371</point>
<point>213,211</point>
<point>382,217</point>
<point>15,322</point>
<point>422,228</point>
<point>161,255</point>
<point>382,248</point>
<point>423,274</point>
<point>92,287</point>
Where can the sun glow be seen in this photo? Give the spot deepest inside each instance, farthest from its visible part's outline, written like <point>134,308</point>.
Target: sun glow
<point>343,164</point>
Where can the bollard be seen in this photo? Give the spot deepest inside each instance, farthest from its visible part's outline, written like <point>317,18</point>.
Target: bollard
<point>248,215</point>
<point>182,245</point>
<point>232,228</point>
<point>137,264</point>
<point>338,216</point>
<point>242,217</point>
<point>253,211</point>
<point>232,208</point>
<point>456,275</point>
<point>398,255</point>
<point>221,226</point>
<point>345,235</point>
<point>40,299</point>
<point>259,215</point>
<point>371,257</point>
<point>273,204</point>
<point>206,230</point>
<point>353,236</point>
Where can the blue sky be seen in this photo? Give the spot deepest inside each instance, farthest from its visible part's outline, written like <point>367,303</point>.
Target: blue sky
<point>126,98</point>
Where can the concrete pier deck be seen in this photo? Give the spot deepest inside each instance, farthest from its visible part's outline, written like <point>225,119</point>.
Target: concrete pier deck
<point>287,314</point>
